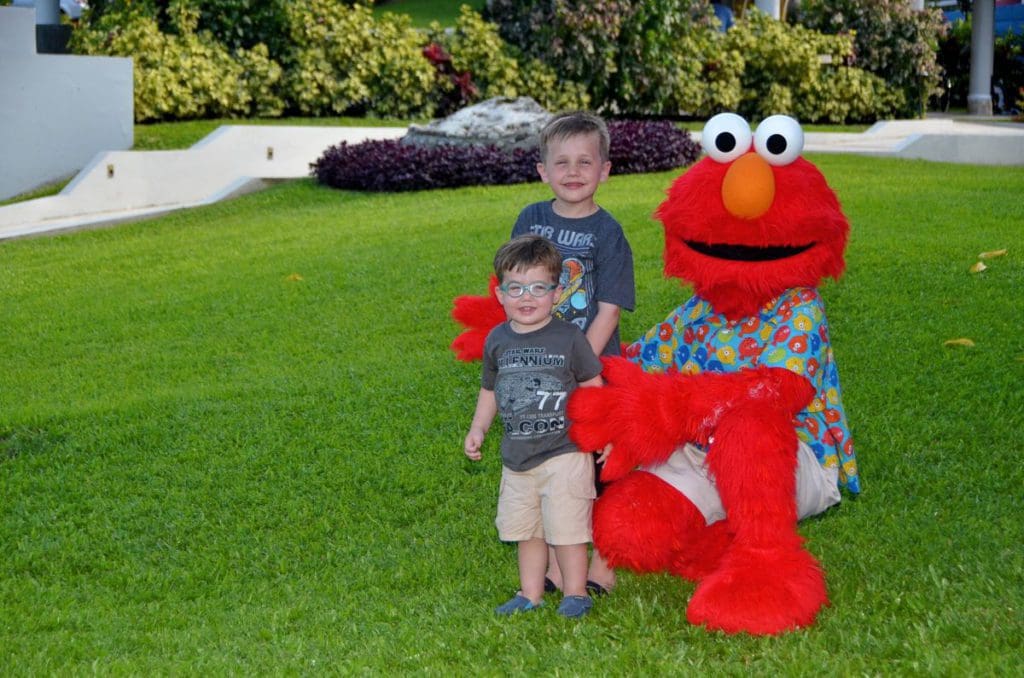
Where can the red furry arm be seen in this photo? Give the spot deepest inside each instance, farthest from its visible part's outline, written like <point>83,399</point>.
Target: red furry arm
<point>479,315</point>
<point>646,416</point>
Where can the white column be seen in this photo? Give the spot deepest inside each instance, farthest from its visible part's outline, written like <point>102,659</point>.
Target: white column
<point>917,5</point>
<point>47,12</point>
<point>979,92</point>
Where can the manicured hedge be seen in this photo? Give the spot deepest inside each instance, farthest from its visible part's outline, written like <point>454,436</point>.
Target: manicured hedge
<point>392,165</point>
<point>649,146</point>
<point>891,40</point>
<point>842,61</point>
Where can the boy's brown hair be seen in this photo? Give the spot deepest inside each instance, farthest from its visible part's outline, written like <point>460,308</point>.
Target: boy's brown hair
<point>570,124</point>
<point>527,251</point>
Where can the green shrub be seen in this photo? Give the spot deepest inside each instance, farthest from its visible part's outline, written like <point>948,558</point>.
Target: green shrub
<point>654,57</point>
<point>575,37</point>
<point>344,60</point>
<point>243,24</point>
<point>183,75</point>
<point>180,72</point>
<point>497,68</point>
<point>891,40</point>
<point>794,70</point>
<point>668,52</point>
<point>845,94</point>
<point>262,79</point>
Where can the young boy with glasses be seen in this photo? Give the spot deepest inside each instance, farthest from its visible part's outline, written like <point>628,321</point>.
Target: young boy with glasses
<point>531,363</point>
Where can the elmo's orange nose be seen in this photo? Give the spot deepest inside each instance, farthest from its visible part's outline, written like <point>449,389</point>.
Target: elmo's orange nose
<point>749,187</point>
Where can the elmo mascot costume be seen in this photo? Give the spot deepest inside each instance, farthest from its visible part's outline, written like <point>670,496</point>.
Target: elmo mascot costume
<point>726,420</point>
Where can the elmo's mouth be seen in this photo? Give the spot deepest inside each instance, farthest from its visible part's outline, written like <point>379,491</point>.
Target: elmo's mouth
<point>746,252</point>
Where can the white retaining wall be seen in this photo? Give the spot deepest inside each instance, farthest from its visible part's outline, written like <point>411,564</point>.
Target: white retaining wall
<point>56,111</point>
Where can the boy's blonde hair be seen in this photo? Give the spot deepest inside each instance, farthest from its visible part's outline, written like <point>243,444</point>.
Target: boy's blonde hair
<point>567,125</point>
<point>527,251</point>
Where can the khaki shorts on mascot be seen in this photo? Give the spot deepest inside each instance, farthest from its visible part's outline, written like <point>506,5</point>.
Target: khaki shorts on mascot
<point>726,420</point>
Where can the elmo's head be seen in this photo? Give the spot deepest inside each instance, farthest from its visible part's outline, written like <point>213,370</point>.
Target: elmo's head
<point>753,218</point>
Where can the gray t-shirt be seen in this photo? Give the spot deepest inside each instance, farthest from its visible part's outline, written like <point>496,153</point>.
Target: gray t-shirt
<point>597,263</point>
<point>532,375</point>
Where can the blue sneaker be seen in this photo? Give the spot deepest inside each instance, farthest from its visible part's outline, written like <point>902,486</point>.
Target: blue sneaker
<point>575,606</point>
<point>519,603</point>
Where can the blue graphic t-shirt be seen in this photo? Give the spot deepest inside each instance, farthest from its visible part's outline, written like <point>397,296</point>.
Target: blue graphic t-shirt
<point>790,331</point>
<point>597,263</point>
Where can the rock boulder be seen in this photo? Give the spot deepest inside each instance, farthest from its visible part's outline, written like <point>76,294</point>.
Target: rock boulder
<point>502,121</point>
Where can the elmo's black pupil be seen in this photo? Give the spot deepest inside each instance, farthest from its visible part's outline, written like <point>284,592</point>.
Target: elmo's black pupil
<point>776,144</point>
<point>725,142</point>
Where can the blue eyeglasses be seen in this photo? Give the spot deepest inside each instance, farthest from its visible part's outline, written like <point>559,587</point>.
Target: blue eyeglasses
<point>536,289</point>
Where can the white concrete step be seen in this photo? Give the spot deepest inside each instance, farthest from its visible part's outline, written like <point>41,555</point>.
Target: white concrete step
<point>121,185</point>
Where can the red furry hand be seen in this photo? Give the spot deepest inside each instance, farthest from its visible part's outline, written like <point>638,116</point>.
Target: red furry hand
<point>479,315</point>
<point>632,411</point>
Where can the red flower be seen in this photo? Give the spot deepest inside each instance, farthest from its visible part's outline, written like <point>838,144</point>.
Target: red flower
<point>465,84</point>
<point>436,54</point>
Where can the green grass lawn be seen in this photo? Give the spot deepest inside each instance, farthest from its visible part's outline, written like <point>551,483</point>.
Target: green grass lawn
<point>231,443</point>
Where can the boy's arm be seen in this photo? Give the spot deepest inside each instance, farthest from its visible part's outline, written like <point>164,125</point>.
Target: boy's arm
<point>602,326</point>
<point>486,408</point>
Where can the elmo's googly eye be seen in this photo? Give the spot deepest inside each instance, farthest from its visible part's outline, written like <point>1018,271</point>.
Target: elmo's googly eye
<point>779,140</point>
<point>726,137</point>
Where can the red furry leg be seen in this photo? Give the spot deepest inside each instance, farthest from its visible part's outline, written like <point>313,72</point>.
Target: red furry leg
<point>644,524</point>
<point>767,582</point>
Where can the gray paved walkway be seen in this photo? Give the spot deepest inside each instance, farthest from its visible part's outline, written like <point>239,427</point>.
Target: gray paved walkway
<point>235,159</point>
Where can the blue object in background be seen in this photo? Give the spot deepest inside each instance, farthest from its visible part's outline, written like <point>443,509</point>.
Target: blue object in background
<point>723,14</point>
<point>1008,19</point>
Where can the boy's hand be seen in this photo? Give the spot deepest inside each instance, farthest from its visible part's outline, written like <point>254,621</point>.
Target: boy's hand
<point>474,440</point>
<point>602,454</point>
